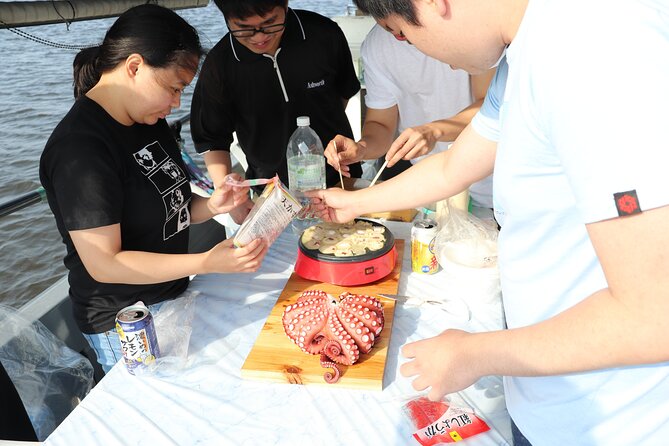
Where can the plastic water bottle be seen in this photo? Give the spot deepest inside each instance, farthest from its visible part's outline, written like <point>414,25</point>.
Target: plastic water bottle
<point>306,167</point>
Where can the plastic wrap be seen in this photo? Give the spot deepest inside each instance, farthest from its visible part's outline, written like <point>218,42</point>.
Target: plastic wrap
<point>465,239</point>
<point>49,377</point>
<point>466,249</point>
<point>174,326</point>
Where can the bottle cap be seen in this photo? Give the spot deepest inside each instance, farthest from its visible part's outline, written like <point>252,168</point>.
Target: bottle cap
<point>303,121</point>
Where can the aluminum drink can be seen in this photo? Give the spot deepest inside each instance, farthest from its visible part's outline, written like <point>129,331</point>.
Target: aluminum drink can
<point>423,233</point>
<point>139,343</point>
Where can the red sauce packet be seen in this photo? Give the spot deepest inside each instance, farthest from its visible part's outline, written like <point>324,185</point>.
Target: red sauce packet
<point>438,422</point>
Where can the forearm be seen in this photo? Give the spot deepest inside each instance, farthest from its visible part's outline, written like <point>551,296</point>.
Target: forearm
<point>200,210</point>
<point>219,165</point>
<point>141,268</point>
<point>437,177</point>
<point>400,192</point>
<point>449,129</point>
<point>600,332</point>
<point>623,324</point>
<point>378,138</point>
<point>378,131</point>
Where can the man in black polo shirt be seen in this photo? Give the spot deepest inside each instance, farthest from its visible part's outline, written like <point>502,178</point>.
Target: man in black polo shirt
<point>274,65</point>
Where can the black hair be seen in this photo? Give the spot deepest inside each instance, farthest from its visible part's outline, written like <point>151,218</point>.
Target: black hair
<point>380,9</point>
<point>158,34</point>
<point>242,9</point>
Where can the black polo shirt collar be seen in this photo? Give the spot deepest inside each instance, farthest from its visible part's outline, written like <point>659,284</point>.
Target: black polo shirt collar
<point>293,33</point>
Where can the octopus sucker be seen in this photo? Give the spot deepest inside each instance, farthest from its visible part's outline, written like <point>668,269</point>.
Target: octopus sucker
<point>322,324</point>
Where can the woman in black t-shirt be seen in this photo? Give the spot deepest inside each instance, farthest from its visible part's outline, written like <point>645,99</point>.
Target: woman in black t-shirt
<point>116,182</point>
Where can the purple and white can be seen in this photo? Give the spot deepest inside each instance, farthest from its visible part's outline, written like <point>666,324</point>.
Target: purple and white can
<point>139,343</point>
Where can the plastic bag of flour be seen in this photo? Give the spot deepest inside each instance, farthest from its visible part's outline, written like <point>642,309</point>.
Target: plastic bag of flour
<point>465,239</point>
<point>272,212</point>
<point>441,422</point>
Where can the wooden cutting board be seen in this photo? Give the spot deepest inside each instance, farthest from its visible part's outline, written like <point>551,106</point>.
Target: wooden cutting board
<point>406,215</point>
<point>275,358</point>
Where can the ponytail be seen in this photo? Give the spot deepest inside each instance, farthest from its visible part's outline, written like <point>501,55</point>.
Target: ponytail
<point>86,74</point>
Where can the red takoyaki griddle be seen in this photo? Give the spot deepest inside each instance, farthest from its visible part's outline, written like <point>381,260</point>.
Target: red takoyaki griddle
<point>314,265</point>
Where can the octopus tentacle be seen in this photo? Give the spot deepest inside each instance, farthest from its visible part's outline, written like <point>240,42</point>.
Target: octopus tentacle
<point>368,309</point>
<point>362,336</point>
<point>338,328</point>
<point>346,351</point>
<point>363,316</point>
<point>333,376</point>
<point>303,322</point>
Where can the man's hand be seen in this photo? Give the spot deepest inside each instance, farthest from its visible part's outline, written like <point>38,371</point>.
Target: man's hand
<point>412,143</point>
<point>441,363</point>
<point>346,152</point>
<point>332,204</point>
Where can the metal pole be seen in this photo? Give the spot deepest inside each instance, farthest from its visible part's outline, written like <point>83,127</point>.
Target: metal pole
<point>23,201</point>
<point>24,13</point>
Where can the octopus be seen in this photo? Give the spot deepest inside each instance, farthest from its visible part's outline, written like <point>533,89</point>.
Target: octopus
<point>338,329</point>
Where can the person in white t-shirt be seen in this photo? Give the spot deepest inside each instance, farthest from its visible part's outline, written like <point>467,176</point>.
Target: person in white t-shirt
<point>415,105</point>
<point>582,196</point>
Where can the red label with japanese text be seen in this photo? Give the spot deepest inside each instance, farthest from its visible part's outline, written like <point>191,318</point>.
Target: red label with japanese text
<point>438,423</point>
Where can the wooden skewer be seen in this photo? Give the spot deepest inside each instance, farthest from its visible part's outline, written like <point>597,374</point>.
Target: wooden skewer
<point>378,174</point>
<point>341,178</point>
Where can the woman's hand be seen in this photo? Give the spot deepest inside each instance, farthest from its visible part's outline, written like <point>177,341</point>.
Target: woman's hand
<point>239,213</point>
<point>227,197</point>
<point>225,258</point>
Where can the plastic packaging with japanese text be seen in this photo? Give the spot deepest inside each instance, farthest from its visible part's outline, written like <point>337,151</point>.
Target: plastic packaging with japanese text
<point>273,211</point>
<point>440,422</point>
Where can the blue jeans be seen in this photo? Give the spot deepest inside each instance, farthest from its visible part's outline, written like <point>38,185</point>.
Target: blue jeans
<point>518,438</point>
<point>107,345</point>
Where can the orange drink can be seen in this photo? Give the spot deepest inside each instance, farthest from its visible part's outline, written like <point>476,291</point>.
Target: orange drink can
<point>423,233</point>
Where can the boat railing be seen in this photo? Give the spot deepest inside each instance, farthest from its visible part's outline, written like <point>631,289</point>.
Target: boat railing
<point>22,201</point>
<point>43,12</point>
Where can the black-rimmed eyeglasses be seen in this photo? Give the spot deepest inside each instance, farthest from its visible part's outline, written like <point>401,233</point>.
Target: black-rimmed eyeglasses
<point>250,32</point>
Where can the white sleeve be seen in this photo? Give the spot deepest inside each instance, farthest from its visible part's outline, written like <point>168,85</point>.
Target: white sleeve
<point>609,124</point>
<point>381,91</point>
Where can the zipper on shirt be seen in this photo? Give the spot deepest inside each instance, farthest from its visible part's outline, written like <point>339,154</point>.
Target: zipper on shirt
<point>278,72</point>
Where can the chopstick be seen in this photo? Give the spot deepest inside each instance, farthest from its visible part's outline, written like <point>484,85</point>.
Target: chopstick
<point>378,174</point>
<point>341,178</point>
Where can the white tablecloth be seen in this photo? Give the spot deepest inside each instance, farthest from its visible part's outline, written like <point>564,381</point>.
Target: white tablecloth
<point>207,401</point>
